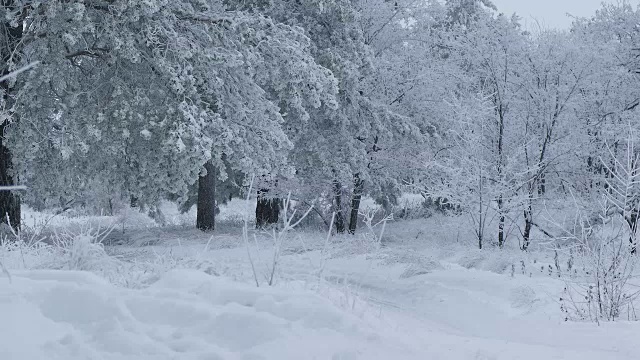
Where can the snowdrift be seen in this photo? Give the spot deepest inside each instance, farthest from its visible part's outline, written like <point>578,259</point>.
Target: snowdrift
<point>184,315</point>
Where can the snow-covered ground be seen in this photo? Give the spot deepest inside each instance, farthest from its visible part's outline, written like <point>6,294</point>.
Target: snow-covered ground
<point>172,293</point>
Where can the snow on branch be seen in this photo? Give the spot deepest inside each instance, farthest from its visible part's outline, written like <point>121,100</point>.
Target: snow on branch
<point>13,188</point>
<point>19,71</point>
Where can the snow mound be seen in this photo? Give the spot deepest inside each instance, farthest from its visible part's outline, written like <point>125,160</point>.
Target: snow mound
<point>523,297</point>
<point>184,315</point>
<point>415,264</point>
<point>497,262</point>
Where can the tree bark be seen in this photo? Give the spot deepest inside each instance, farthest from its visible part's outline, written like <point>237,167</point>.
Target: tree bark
<point>528,224</point>
<point>9,200</point>
<point>632,221</point>
<point>501,231</point>
<point>267,210</point>
<point>355,203</point>
<point>542,189</point>
<point>501,113</point>
<point>206,206</point>
<point>133,201</point>
<point>481,217</point>
<point>339,221</point>
<point>501,221</point>
<point>528,218</point>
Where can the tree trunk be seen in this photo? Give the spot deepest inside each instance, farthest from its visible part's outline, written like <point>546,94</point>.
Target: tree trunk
<point>339,221</point>
<point>133,202</point>
<point>267,210</point>
<point>481,217</point>
<point>528,215</point>
<point>355,203</point>
<point>206,213</point>
<point>9,200</point>
<point>481,220</point>
<point>542,188</point>
<point>501,231</point>
<point>501,220</point>
<point>528,224</point>
<point>632,221</point>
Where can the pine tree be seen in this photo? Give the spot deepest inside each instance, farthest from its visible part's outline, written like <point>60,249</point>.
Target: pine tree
<point>143,95</point>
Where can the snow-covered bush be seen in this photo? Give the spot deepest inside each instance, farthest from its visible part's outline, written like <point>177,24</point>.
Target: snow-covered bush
<point>375,227</point>
<point>607,244</point>
<point>276,234</point>
<point>82,249</point>
<point>605,289</point>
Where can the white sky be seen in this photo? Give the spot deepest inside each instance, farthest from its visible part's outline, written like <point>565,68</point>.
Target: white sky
<point>550,13</point>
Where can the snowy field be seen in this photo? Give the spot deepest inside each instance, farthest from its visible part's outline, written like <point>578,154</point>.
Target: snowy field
<point>505,159</point>
<point>172,293</point>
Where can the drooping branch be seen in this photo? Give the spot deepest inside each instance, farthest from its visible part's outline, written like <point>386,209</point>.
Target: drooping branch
<point>93,52</point>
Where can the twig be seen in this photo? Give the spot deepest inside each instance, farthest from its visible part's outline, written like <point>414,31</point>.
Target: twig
<point>245,235</point>
<point>19,71</point>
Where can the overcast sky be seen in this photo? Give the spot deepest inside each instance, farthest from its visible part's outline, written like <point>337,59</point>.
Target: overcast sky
<point>550,13</point>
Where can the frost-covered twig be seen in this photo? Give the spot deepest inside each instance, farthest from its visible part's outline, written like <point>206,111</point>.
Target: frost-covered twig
<point>245,235</point>
<point>323,253</point>
<point>13,188</point>
<point>607,244</point>
<point>368,216</point>
<point>19,71</point>
<point>278,237</point>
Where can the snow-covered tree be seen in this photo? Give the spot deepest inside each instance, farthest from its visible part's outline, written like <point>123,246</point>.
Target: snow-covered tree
<point>331,150</point>
<point>556,79</point>
<point>489,51</point>
<point>143,95</point>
